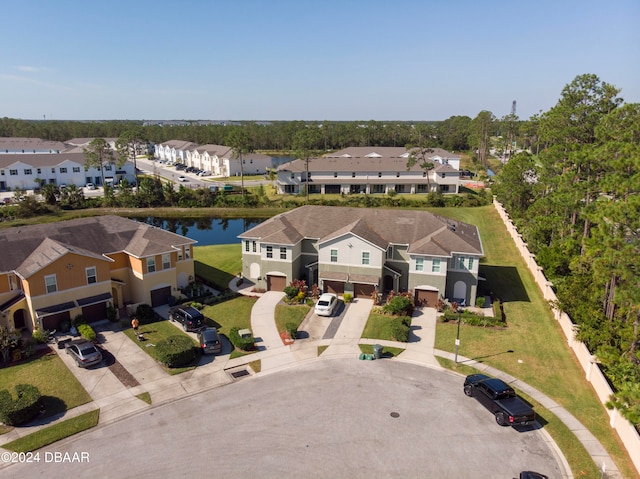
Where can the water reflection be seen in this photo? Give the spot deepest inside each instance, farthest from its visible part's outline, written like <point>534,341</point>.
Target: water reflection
<point>206,231</point>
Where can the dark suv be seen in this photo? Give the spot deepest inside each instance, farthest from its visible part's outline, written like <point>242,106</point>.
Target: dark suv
<point>191,318</point>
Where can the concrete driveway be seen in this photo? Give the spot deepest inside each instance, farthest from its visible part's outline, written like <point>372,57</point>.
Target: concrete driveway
<point>339,418</point>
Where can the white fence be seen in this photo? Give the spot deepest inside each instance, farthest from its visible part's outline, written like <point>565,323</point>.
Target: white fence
<point>625,430</point>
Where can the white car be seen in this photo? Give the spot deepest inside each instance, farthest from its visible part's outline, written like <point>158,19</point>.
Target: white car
<point>326,304</point>
<point>90,186</point>
<point>182,178</point>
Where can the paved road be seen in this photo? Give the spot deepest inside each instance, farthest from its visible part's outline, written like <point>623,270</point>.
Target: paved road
<point>324,418</point>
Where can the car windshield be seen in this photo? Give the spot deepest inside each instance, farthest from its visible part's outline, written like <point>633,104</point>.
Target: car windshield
<point>210,336</point>
<point>88,349</point>
<point>323,303</point>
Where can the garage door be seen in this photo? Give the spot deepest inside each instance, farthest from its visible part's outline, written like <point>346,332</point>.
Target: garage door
<point>52,321</point>
<point>276,283</point>
<point>426,298</point>
<point>95,312</point>
<point>335,287</point>
<point>160,296</point>
<point>362,290</point>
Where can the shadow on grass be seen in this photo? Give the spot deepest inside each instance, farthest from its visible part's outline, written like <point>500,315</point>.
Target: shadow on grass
<point>480,358</point>
<point>504,282</point>
<point>53,408</point>
<point>219,279</point>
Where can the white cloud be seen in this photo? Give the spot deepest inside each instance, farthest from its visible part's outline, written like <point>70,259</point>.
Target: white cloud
<point>22,79</point>
<point>30,69</point>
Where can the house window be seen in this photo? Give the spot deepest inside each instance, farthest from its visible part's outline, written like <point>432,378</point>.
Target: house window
<point>12,282</point>
<point>470,264</point>
<point>390,252</point>
<point>254,247</point>
<point>289,188</point>
<point>179,255</point>
<point>419,264</point>
<point>166,261</point>
<point>246,246</point>
<point>379,174</point>
<point>13,172</point>
<point>435,266</point>
<point>293,176</point>
<point>353,175</point>
<point>27,171</point>
<point>378,189</point>
<point>398,174</point>
<point>187,252</point>
<point>269,251</point>
<point>365,257</point>
<point>283,253</point>
<point>39,171</point>
<point>63,170</point>
<point>461,262</point>
<point>107,167</point>
<point>424,174</point>
<point>335,174</point>
<point>91,275</point>
<point>442,175</point>
<point>334,255</point>
<point>400,188</point>
<point>53,170</point>
<point>151,265</point>
<point>51,283</point>
<point>76,169</point>
<point>1,172</point>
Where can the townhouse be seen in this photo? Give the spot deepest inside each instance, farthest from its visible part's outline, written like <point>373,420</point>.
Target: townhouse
<point>57,271</point>
<point>362,251</point>
<point>371,170</point>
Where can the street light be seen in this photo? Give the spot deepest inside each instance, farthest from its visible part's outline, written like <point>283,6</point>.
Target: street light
<point>457,339</point>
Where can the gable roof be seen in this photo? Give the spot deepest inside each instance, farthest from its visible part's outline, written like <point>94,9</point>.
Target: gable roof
<point>423,232</point>
<point>29,248</point>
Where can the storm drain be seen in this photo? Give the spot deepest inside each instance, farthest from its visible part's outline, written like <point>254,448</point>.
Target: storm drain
<point>239,372</point>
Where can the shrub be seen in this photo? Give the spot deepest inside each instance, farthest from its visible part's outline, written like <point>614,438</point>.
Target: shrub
<point>291,292</point>
<point>398,305</point>
<point>39,335</point>
<point>347,297</point>
<point>292,329</point>
<point>78,320</point>
<point>480,301</point>
<point>400,329</point>
<point>22,409</point>
<point>64,325</point>
<point>112,314</point>
<point>145,314</point>
<point>498,310</point>
<point>175,351</point>
<point>87,332</point>
<point>245,344</point>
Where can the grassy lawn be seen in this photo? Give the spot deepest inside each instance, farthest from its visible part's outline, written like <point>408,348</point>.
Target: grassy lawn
<point>387,352</point>
<point>156,332</point>
<point>290,314</point>
<point>59,395</point>
<point>540,354</point>
<point>218,264</point>
<point>378,327</point>
<point>228,314</point>
<point>54,433</point>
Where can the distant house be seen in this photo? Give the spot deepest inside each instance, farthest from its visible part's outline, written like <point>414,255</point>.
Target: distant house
<point>56,271</point>
<point>371,170</point>
<point>174,151</point>
<point>363,250</point>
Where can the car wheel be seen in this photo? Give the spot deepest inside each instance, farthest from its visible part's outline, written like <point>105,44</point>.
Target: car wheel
<point>184,326</point>
<point>468,391</point>
<point>171,318</point>
<point>500,419</point>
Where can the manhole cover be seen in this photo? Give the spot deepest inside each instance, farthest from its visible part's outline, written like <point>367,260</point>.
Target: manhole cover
<point>239,374</point>
<point>395,414</point>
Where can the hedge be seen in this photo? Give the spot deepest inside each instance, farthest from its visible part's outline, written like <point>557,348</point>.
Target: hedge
<point>175,351</point>
<point>245,344</point>
<point>22,409</point>
<point>400,327</point>
<point>87,332</point>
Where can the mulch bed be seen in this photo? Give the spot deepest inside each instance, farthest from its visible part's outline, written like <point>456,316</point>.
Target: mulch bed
<point>286,338</point>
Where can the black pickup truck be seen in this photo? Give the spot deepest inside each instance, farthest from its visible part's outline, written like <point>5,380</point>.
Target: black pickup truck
<point>499,398</point>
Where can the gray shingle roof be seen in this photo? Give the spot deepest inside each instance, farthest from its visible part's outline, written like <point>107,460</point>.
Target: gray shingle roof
<point>423,232</point>
<point>29,248</point>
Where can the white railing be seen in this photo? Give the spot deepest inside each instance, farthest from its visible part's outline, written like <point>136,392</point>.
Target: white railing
<point>594,375</point>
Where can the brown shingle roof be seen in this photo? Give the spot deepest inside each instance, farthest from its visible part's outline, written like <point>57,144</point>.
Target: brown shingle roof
<point>29,248</point>
<point>424,232</point>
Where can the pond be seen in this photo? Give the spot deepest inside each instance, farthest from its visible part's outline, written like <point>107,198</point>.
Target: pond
<point>206,231</point>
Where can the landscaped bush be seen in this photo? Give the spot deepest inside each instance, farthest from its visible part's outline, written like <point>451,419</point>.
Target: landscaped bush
<point>64,325</point>
<point>245,344</point>
<point>87,332</point>
<point>175,351</point>
<point>473,319</point>
<point>400,327</point>
<point>498,310</point>
<point>399,305</point>
<point>78,320</point>
<point>480,301</point>
<point>21,409</point>
<point>347,297</point>
<point>39,336</point>
<point>291,292</point>
<point>112,314</point>
<point>145,314</point>
<point>292,329</point>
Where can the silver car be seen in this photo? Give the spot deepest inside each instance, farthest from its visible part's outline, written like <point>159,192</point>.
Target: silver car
<point>84,352</point>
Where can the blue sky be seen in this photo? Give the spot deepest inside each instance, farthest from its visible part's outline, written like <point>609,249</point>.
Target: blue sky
<point>308,60</point>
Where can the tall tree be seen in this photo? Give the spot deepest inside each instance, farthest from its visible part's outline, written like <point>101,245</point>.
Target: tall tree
<point>129,145</point>
<point>240,142</point>
<point>98,154</point>
<point>424,139</point>
<point>480,131</point>
<point>304,143</point>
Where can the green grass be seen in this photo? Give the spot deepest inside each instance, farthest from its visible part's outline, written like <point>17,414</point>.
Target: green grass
<point>54,433</point>
<point>218,264</point>
<point>58,396</point>
<point>233,313</point>
<point>387,351</point>
<point>156,332</point>
<point>285,314</point>
<point>378,327</point>
<point>146,397</point>
<point>540,354</point>
<point>256,366</point>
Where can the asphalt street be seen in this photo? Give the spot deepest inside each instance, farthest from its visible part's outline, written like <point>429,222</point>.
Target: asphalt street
<point>340,418</point>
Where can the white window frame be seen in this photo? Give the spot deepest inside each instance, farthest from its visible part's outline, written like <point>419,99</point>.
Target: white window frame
<point>151,265</point>
<point>187,252</point>
<point>419,264</point>
<point>333,255</point>
<point>283,252</point>
<point>51,287</point>
<point>92,274</point>
<point>166,261</point>
<point>366,257</point>
<point>269,252</point>
<point>435,265</point>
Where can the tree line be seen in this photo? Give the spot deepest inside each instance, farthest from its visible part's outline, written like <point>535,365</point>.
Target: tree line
<point>577,204</point>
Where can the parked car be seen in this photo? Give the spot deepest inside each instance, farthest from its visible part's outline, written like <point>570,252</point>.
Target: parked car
<point>83,352</point>
<point>209,341</point>
<point>532,475</point>
<point>326,304</point>
<point>500,399</point>
<point>205,173</point>
<point>190,318</point>
<point>90,186</point>
<point>182,178</point>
